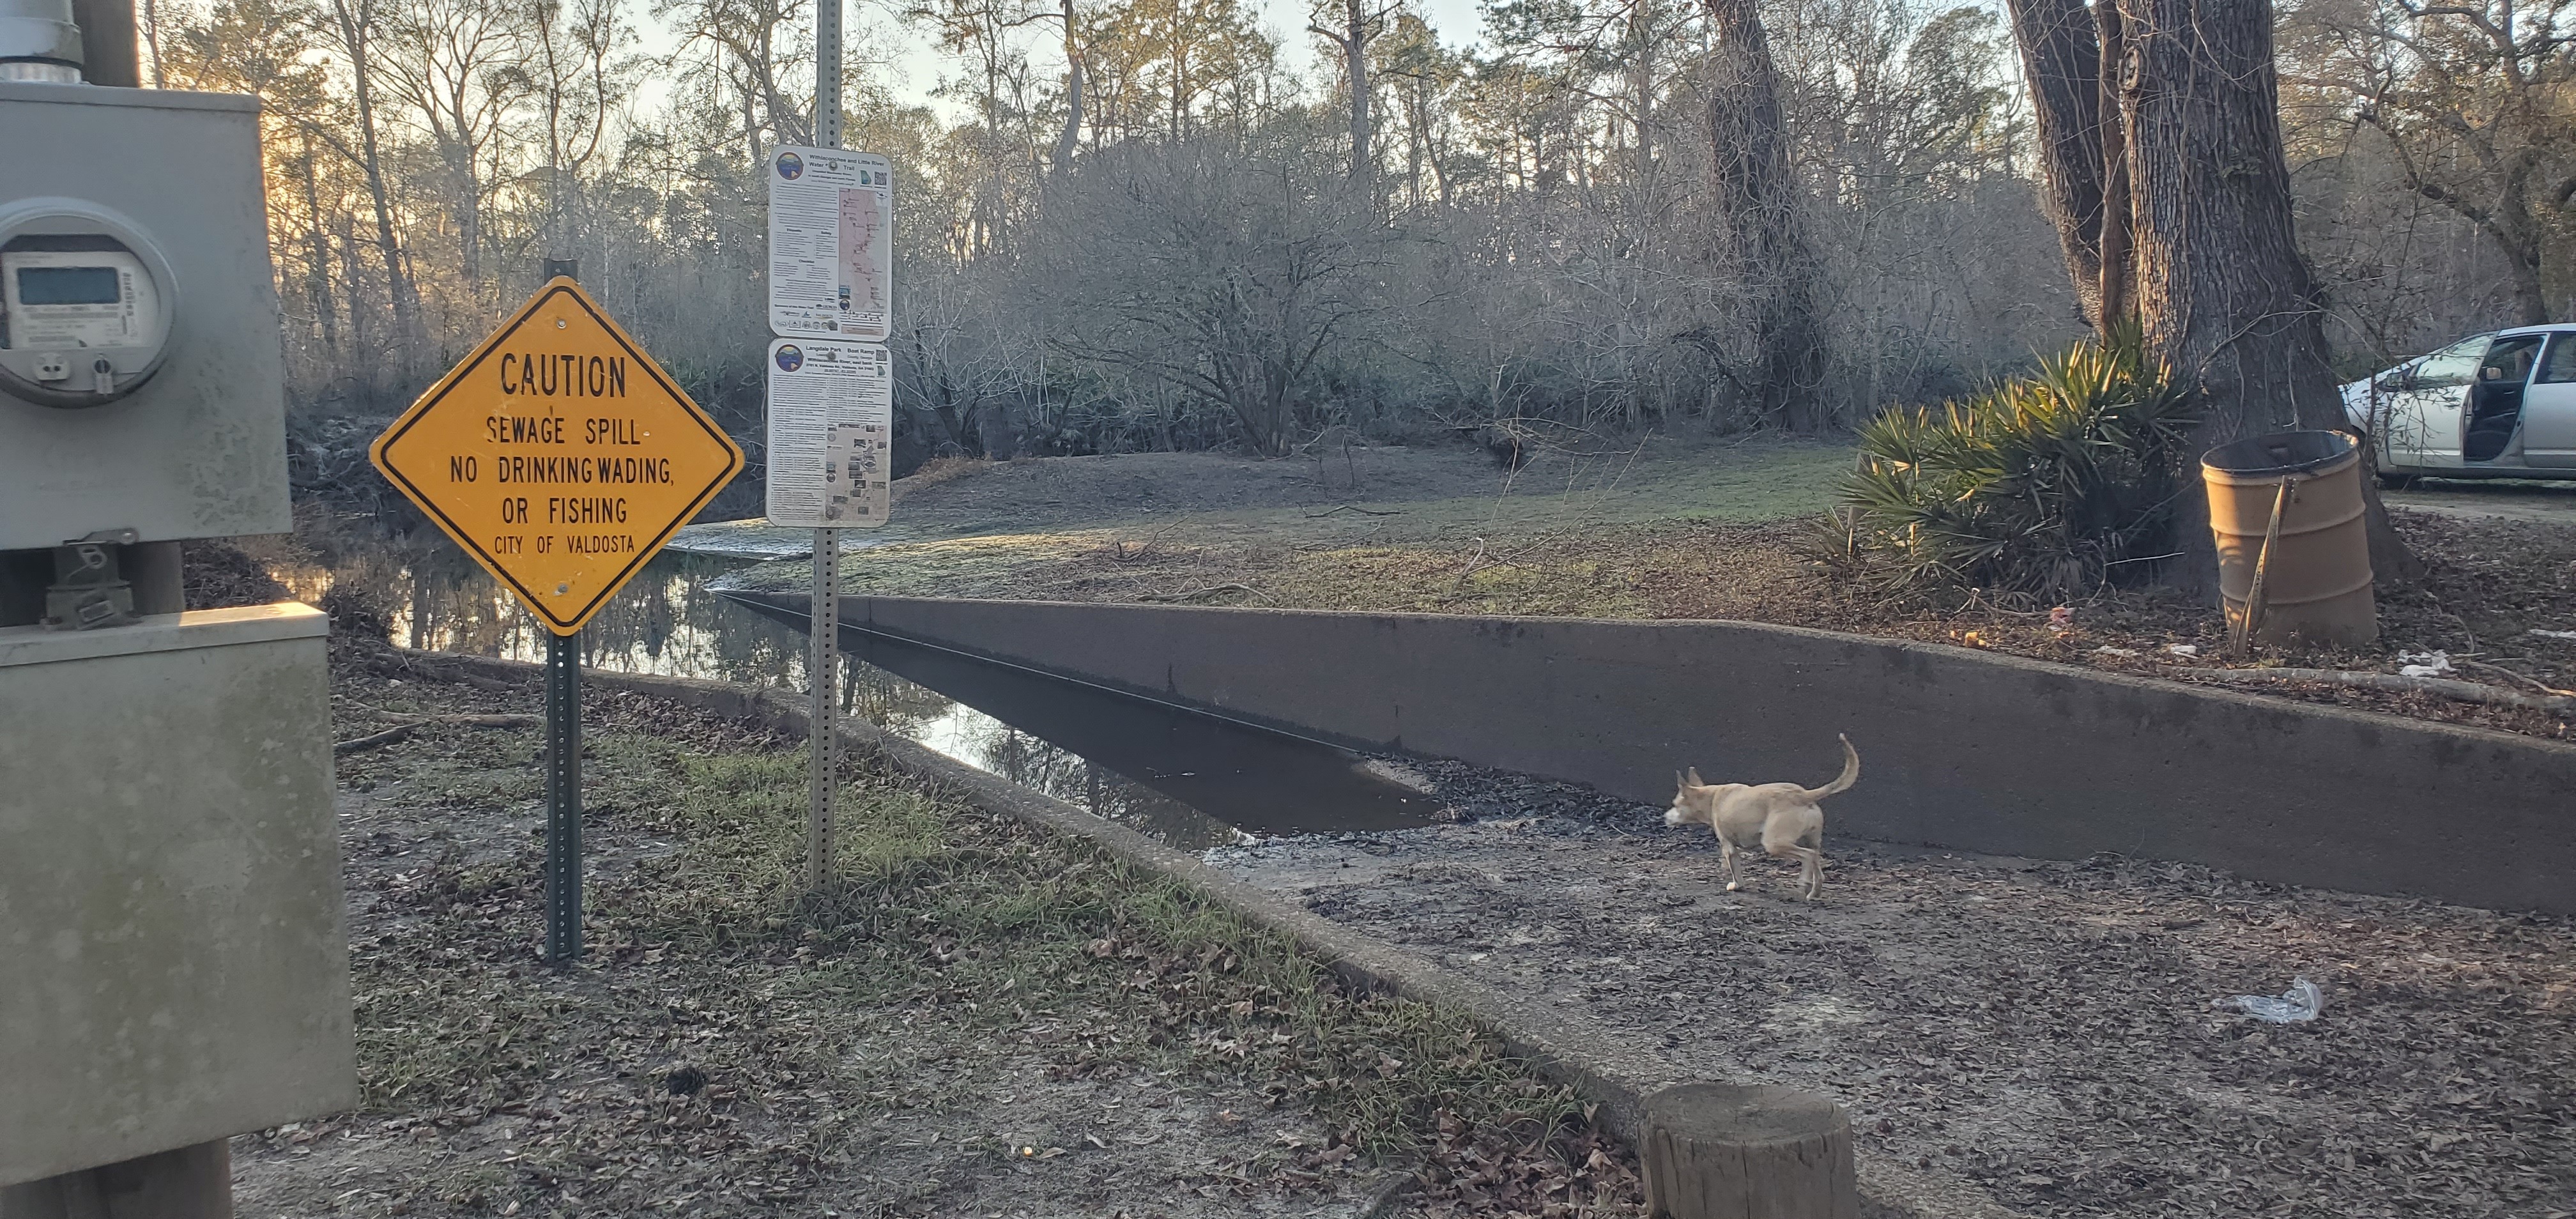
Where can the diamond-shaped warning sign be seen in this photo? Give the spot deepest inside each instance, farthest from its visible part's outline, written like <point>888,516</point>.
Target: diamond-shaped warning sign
<point>559,455</point>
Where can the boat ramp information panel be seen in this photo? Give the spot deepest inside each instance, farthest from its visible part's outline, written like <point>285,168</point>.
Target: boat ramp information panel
<point>831,244</point>
<point>831,434</point>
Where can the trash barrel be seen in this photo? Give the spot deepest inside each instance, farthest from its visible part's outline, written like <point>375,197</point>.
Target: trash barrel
<point>2314,584</point>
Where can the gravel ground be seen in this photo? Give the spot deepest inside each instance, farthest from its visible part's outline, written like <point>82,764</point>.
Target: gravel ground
<point>2041,1034</point>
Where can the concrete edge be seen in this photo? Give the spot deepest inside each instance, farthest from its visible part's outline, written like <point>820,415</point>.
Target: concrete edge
<point>1548,1041</point>
<point>194,629</point>
<point>2144,683</point>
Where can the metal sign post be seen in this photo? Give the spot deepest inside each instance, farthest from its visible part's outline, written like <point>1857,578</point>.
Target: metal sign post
<point>831,274</point>
<point>560,457</point>
<point>824,662</point>
<point>563,799</point>
<point>563,767</point>
<point>824,626</point>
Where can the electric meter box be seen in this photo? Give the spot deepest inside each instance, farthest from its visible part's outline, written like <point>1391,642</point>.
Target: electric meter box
<point>142,380</point>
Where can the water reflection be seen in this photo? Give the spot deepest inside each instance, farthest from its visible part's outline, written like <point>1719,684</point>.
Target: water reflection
<point>1167,757</point>
<point>664,621</point>
<point>1189,779</point>
<point>956,730</point>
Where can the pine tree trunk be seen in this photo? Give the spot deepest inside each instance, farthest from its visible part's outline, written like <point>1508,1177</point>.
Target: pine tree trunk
<point>1072,136</point>
<point>357,33</point>
<point>1757,201</point>
<point>1355,40</point>
<point>2061,61</point>
<point>2222,293</point>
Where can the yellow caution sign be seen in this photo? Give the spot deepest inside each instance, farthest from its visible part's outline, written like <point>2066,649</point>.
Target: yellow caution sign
<point>559,455</point>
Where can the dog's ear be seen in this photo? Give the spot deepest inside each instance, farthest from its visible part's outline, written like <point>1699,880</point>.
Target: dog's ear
<point>1694,778</point>
<point>1679,781</point>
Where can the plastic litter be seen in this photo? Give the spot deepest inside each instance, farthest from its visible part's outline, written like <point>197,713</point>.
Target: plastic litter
<point>2300,1003</point>
<point>2183,649</point>
<point>2423,664</point>
<point>2108,650</point>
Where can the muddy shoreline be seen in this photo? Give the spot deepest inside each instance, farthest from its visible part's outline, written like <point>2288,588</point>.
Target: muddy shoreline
<point>2041,1034</point>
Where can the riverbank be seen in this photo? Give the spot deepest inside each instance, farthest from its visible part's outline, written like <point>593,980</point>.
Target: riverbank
<point>977,1019</point>
<point>1662,528</point>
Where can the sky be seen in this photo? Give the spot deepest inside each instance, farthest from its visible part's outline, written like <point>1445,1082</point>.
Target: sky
<point>917,65</point>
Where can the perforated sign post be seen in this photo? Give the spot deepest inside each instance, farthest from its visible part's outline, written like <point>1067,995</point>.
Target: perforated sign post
<point>561,457</point>
<point>831,305</point>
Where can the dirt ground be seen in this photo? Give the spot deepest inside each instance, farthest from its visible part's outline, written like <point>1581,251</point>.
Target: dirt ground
<point>2025,1038</point>
<point>1666,528</point>
<point>2549,503</point>
<point>974,1021</point>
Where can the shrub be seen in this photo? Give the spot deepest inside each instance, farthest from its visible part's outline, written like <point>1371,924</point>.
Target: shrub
<point>2046,486</point>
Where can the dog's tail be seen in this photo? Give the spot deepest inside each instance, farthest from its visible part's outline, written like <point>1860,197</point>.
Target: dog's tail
<point>1850,775</point>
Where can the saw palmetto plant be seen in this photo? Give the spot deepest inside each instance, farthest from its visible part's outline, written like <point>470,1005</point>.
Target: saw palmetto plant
<point>2049,486</point>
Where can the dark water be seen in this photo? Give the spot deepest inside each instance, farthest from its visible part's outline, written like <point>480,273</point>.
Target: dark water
<point>1203,776</point>
<point>1190,779</point>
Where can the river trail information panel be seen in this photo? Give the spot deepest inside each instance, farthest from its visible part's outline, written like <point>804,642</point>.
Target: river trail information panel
<point>559,455</point>
<point>831,244</point>
<point>831,434</point>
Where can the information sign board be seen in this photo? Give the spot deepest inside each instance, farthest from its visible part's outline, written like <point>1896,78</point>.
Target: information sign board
<point>831,434</point>
<point>831,244</point>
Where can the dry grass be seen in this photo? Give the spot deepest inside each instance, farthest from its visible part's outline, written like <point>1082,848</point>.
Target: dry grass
<point>2493,582</point>
<point>933,472</point>
<point>959,1005</point>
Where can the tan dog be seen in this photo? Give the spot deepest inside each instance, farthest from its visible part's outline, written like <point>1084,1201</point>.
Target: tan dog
<point>1782,818</point>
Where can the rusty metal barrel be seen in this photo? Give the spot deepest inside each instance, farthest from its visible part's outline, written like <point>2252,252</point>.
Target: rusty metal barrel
<point>2293,547</point>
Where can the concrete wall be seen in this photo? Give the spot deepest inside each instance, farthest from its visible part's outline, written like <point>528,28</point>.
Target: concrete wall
<point>1959,748</point>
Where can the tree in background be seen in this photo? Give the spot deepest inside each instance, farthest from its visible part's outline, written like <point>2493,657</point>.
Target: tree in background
<point>1424,78</point>
<point>2203,251</point>
<point>1356,24</point>
<point>2474,104</point>
<point>1762,228</point>
<point>1596,219</point>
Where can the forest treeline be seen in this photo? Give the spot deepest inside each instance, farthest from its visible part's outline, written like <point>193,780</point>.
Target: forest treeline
<point>1138,229</point>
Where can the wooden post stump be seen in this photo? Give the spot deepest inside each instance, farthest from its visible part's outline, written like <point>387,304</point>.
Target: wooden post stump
<point>1724,1151</point>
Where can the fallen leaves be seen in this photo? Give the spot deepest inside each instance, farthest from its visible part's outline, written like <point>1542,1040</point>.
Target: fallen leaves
<point>732,1044</point>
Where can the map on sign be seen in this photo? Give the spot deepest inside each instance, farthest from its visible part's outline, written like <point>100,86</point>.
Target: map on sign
<point>559,455</point>
<point>831,244</point>
<point>831,434</point>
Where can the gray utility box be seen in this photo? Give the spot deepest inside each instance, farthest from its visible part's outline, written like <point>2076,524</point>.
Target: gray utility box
<point>173,947</point>
<point>188,439</point>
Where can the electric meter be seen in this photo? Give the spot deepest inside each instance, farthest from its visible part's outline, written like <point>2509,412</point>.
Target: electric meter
<point>142,356</point>
<point>84,310</point>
